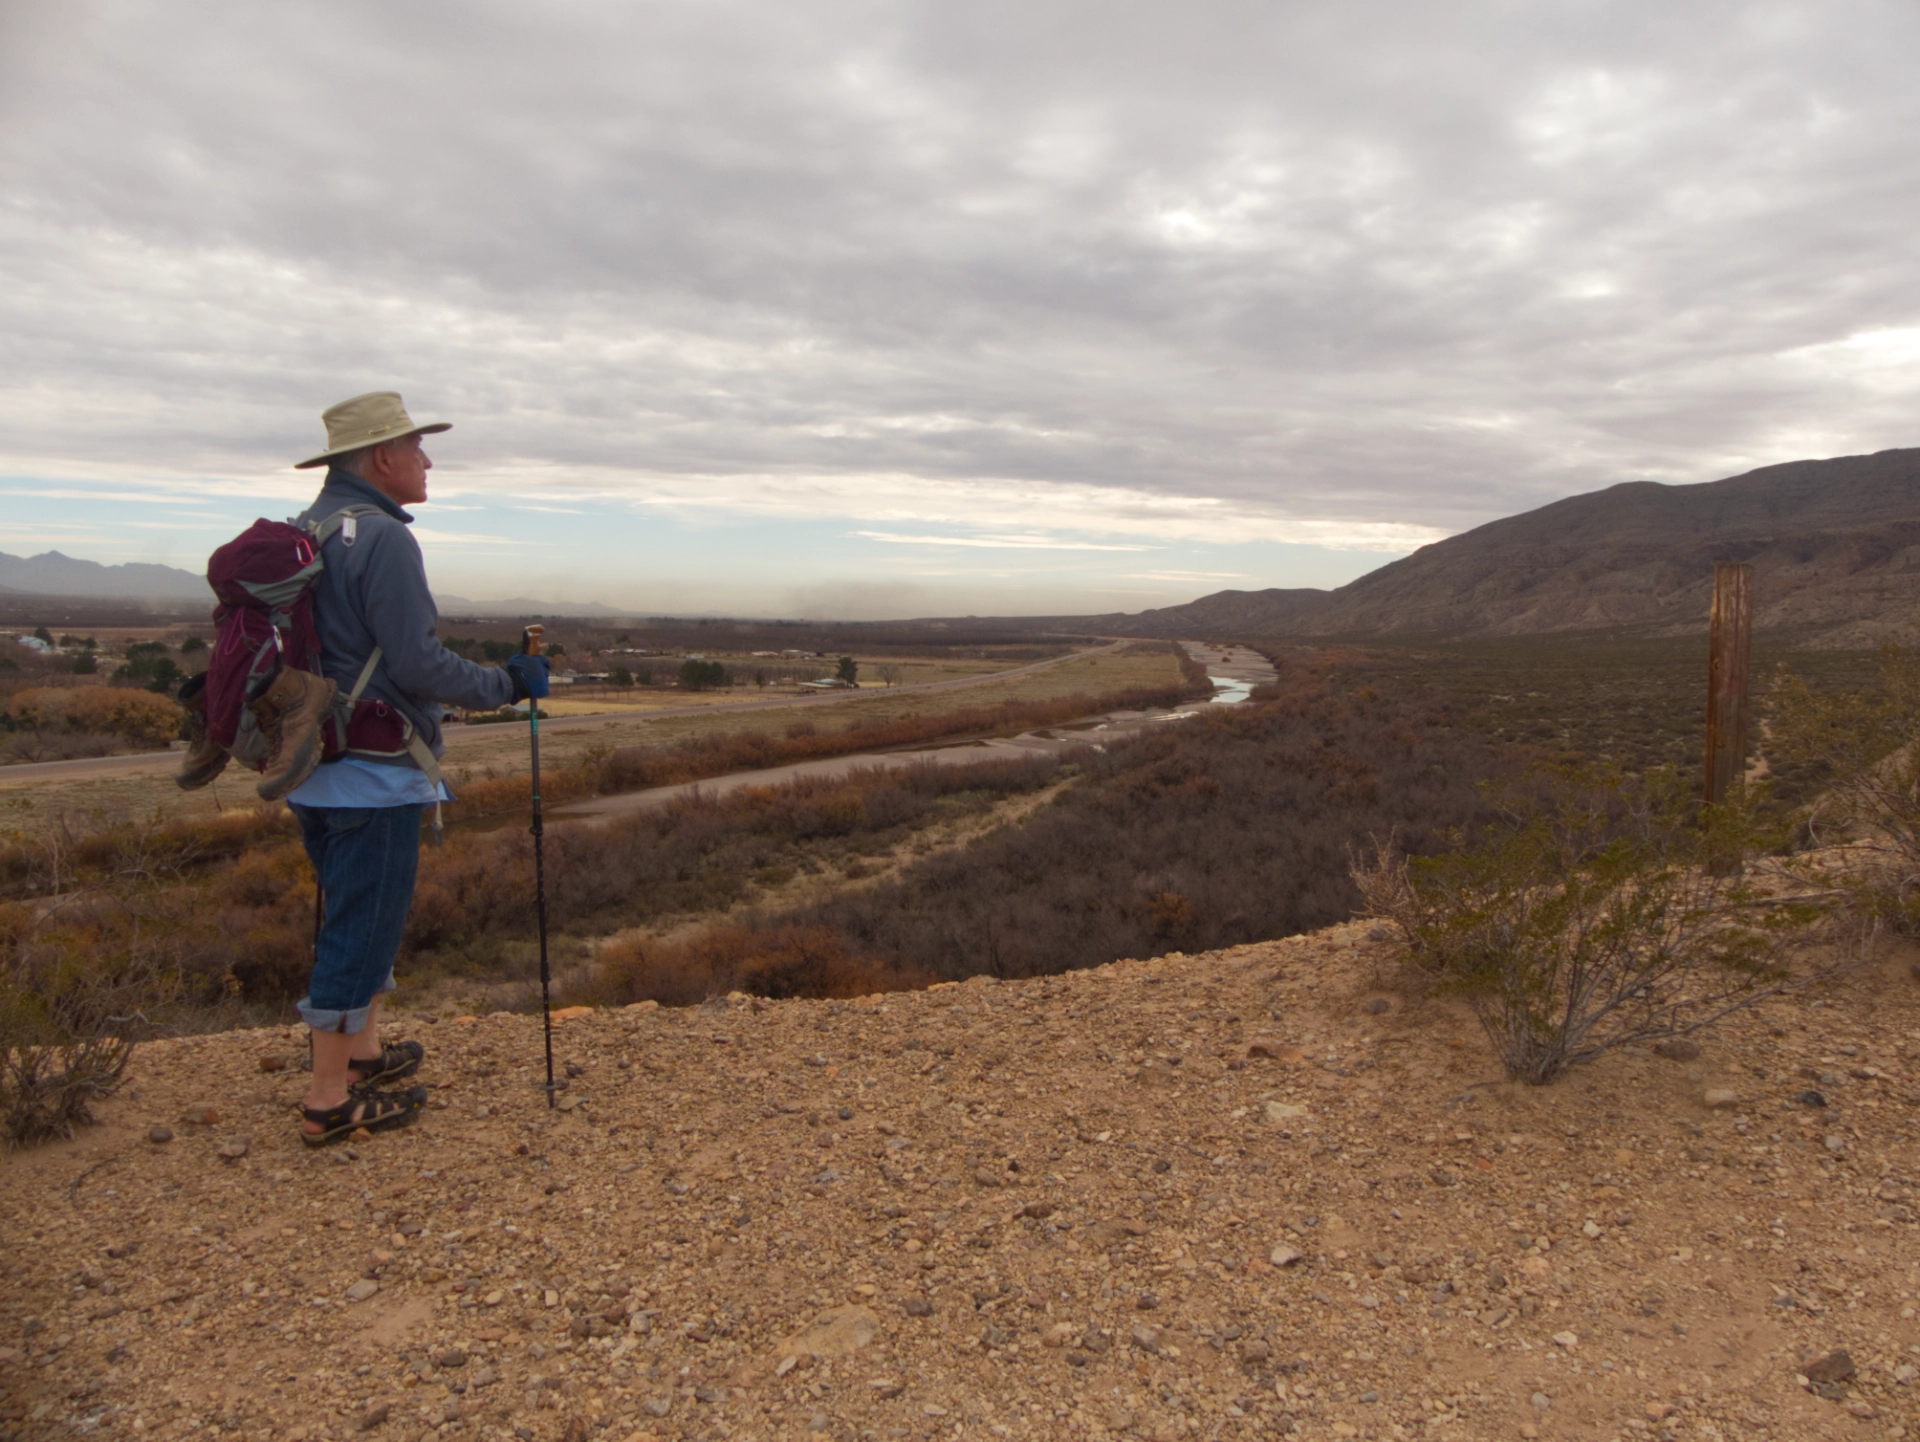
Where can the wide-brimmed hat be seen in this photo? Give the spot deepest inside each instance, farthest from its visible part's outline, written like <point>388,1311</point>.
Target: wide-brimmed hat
<point>367,421</point>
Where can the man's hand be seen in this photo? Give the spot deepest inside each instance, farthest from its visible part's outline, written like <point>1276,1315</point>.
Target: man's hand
<point>529,677</point>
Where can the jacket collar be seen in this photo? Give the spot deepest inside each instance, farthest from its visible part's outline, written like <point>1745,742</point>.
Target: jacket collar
<point>350,490</point>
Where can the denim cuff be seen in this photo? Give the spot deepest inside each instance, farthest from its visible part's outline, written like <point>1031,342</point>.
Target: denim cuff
<point>352,1021</point>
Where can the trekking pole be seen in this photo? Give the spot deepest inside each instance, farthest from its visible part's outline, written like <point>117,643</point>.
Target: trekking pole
<point>530,646</point>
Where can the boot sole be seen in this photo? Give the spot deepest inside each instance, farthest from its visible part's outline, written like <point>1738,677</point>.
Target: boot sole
<point>200,775</point>
<point>304,762</point>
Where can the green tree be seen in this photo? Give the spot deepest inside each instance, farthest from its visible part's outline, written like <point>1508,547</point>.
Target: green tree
<point>41,633</point>
<point>698,675</point>
<point>149,665</point>
<point>191,646</point>
<point>85,665</point>
<point>619,676</point>
<point>848,670</point>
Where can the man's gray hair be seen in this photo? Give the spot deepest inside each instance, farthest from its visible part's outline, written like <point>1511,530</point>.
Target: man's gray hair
<point>355,462</point>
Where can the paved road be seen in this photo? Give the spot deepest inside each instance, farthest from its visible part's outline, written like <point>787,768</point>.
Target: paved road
<point>148,763</point>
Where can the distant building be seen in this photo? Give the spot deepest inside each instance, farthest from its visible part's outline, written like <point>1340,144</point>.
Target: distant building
<point>34,643</point>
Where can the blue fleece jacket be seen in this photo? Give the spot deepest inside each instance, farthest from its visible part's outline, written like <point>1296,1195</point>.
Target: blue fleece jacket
<point>374,593</point>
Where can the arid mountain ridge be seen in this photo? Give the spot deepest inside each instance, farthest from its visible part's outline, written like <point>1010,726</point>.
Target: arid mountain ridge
<point>1835,545</point>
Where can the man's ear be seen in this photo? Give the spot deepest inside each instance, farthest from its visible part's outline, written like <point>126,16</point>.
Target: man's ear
<point>377,459</point>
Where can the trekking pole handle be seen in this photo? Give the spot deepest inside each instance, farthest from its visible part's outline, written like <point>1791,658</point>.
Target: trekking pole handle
<point>530,640</point>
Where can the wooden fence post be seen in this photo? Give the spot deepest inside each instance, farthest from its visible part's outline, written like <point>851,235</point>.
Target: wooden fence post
<point>1727,669</point>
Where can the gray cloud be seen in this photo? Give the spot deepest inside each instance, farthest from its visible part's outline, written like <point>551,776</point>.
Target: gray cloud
<point>1366,263</point>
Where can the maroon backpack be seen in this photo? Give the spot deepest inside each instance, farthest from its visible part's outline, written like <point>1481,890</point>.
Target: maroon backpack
<point>264,579</point>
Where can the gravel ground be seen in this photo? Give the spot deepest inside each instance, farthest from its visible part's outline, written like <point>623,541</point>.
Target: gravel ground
<point>1247,1193</point>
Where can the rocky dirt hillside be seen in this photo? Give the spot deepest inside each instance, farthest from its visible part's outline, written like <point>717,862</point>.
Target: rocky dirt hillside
<point>1835,545</point>
<point>1251,1193</point>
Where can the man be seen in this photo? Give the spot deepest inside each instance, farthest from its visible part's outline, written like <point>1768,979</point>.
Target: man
<point>360,814</point>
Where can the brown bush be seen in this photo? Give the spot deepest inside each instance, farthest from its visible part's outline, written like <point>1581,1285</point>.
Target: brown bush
<point>783,961</point>
<point>57,856</point>
<point>139,718</point>
<point>73,998</point>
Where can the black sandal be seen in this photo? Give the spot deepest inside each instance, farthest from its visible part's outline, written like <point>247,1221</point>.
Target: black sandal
<point>372,1110</point>
<point>396,1060</point>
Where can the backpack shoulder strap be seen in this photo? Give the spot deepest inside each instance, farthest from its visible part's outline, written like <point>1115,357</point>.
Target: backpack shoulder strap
<point>344,522</point>
<point>366,675</point>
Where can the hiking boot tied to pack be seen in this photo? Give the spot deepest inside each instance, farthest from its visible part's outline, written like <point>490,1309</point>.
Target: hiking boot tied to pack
<point>206,757</point>
<point>290,713</point>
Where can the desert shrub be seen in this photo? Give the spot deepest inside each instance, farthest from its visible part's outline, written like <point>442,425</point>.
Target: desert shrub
<point>136,718</point>
<point>57,856</point>
<point>1854,752</point>
<point>1597,911</point>
<point>83,976</point>
<point>780,961</point>
<point>66,1035</point>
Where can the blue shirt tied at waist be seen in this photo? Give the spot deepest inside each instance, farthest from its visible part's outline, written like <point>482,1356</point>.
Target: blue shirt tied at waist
<point>353,782</point>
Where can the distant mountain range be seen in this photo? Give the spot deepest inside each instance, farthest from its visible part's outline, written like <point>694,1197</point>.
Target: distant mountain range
<point>1835,546</point>
<point>52,574</point>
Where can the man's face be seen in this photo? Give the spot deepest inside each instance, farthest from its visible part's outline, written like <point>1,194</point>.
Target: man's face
<point>398,470</point>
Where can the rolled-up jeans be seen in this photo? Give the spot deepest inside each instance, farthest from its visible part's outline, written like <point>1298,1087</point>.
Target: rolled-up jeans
<point>366,858</point>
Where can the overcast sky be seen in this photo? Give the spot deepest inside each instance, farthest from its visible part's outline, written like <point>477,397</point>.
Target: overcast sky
<point>895,308</point>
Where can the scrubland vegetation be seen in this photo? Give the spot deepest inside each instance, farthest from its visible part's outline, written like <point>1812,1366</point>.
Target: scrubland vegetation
<point>73,703</point>
<point>708,753</point>
<point>46,723</point>
<point>1231,827</point>
<point>1633,702</point>
<point>1571,919</point>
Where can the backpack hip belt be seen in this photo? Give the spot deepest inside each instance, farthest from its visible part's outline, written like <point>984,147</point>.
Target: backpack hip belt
<point>359,727</point>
